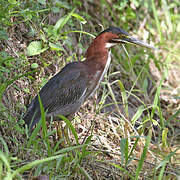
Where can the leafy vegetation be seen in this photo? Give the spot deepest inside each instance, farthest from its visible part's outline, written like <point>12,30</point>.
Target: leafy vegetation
<point>130,130</point>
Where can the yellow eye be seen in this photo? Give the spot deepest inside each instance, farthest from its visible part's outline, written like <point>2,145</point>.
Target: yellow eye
<point>123,36</point>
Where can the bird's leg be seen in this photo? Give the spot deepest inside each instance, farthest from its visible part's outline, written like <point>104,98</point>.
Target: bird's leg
<point>60,133</point>
<point>66,130</point>
<point>63,132</point>
<point>94,102</point>
<point>66,135</point>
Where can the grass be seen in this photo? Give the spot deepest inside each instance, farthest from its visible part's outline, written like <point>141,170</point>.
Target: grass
<point>129,130</point>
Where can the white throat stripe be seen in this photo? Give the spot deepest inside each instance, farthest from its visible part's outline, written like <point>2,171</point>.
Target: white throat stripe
<point>109,45</point>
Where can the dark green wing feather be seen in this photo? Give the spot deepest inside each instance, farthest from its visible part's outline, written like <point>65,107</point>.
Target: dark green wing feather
<point>63,94</point>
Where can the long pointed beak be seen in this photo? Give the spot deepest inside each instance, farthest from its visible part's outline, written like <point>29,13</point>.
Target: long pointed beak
<point>131,40</point>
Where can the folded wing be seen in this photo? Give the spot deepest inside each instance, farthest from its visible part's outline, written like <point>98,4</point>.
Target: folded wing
<point>63,94</point>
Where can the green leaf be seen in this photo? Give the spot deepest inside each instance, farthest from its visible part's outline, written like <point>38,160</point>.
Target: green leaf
<point>155,123</point>
<point>80,18</point>
<point>55,47</point>
<point>34,65</point>
<point>138,114</point>
<point>12,1</point>
<point>63,21</point>
<point>58,23</point>
<point>35,48</point>
<point>164,137</point>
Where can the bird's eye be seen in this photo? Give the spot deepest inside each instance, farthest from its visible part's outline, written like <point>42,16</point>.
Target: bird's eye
<point>123,36</point>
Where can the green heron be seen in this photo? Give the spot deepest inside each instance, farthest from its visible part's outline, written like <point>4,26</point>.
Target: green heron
<point>64,93</point>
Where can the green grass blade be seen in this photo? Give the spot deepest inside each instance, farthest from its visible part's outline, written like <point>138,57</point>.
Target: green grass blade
<point>156,98</point>
<point>137,115</point>
<point>143,156</point>
<point>5,161</point>
<point>84,172</point>
<point>124,150</point>
<point>2,89</point>
<point>88,140</point>
<point>69,149</point>
<point>71,127</point>
<point>43,118</point>
<point>167,158</point>
<point>83,32</point>
<point>33,136</point>
<point>80,18</point>
<point>134,147</point>
<point>175,115</point>
<point>124,170</point>
<point>1,169</point>
<point>164,137</point>
<point>35,163</point>
<point>157,20</point>
<point>44,126</point>
<point>124,97</point>
<point>164,162</point>
<point>5,146</point>
<point>84,151</point>
<point>167,15</point>
<point>162,170</point>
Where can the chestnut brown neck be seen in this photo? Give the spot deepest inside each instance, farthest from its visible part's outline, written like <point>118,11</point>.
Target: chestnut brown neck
<point>98,58</point>
<point>97,50</point>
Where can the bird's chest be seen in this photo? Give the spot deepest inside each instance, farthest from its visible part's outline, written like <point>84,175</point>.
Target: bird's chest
<point>97,74</point>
